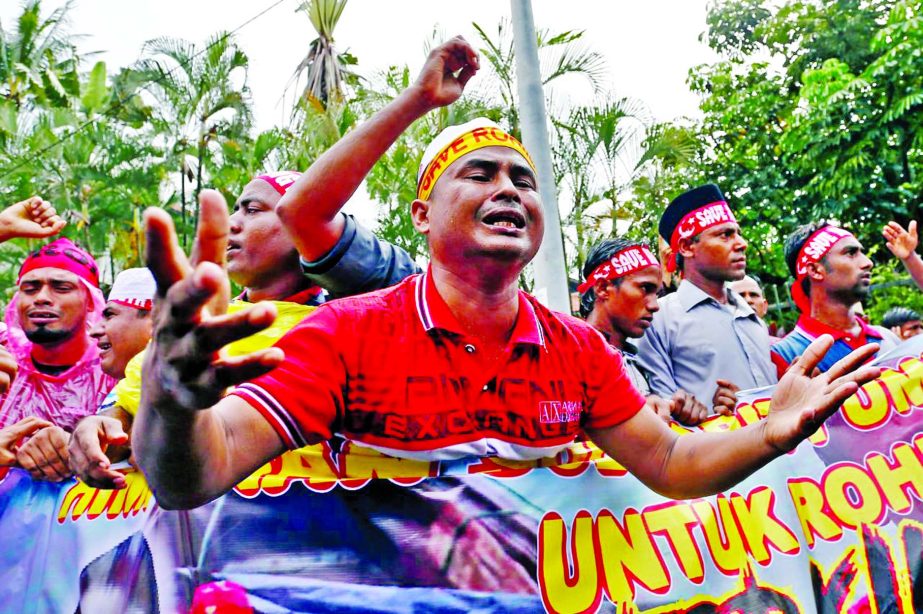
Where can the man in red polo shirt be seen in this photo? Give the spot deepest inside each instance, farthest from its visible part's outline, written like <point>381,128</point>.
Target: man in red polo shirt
<point>452,362</point>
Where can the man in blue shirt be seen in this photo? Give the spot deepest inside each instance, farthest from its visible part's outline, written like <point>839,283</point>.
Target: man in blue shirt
<point>832,275</point>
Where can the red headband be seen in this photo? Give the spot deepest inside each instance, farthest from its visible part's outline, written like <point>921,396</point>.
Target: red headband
<point>697,221</point>
<point>62,254</point>
<point>814,249</point>
<point>280,181</point>
<point>621,263</point>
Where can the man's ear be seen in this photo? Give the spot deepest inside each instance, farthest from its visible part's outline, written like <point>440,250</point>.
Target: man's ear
<point>601,289</point>
<point>684,248</point>
<point>419,213</point>
<point>816,272</point>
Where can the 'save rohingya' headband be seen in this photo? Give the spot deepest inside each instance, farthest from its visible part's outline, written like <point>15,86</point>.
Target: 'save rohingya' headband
<point>621,263</point>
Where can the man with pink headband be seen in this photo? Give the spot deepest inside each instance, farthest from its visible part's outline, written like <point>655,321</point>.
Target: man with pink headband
<point>705,338</point>
<point>30,219</point>
<point>832,275</point>
<point>454,362</point>
<point>59,375</point>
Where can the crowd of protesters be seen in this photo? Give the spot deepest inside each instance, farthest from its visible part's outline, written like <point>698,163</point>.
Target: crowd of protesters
<point>340,334</point>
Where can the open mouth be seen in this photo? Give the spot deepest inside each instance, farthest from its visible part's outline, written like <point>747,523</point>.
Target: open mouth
<point>505,218</point>
<point>104,346</point>
<point>40,317</point>
<point>233,246</point>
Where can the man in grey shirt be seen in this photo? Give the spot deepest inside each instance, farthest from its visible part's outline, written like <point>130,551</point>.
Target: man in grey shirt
<point>705,336</point>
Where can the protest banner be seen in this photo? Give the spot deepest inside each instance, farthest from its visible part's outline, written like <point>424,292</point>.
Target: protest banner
<point>834,526</point>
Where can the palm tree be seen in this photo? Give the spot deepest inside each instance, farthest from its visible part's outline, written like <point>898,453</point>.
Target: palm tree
<point>38,60</point>
<point>325,70</point>
<point>201,100</point>
<point>562,55</point>
<point>596,149</point>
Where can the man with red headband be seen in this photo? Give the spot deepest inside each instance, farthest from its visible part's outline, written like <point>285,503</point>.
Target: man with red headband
<point>59,375</point>
<point>705,338</point>
<point>619,299</point>
<point>447,364</point>
<point>832,275</point>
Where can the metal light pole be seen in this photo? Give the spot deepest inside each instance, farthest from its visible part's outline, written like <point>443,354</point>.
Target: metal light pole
<point>550,273</point>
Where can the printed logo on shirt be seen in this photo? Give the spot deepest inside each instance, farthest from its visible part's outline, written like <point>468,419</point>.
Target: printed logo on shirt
<point>559,412</point>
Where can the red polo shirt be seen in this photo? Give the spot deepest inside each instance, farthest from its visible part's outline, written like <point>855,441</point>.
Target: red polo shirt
<point>393,370</point>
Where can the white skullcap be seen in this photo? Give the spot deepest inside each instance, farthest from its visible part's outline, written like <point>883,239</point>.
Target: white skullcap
<point>134,288</point>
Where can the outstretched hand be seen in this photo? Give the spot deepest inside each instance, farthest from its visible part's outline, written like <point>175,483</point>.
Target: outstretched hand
<point>804,398</point>
<point>30,219</point>
<point>902,243</point>
<point>182,367</point>
<point>446,71</point>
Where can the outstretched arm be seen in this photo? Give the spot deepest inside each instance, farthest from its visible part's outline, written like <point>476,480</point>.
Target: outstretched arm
<point>703,463</point>
<point>903,244</point>
<point>192,445</point>
<point>309,208</point>
<point>30,219</point>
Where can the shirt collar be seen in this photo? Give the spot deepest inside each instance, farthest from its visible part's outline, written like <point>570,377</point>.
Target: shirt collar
<point>815,328</point>
<point>309,296</point>
<point>691,295</point>
<point>434,313</point>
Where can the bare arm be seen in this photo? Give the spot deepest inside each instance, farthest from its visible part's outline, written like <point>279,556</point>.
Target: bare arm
<point>30,219</point>
<point>903,244</point>
<point>310,206</point>
<point>192,445</point>
<point>703,463</point>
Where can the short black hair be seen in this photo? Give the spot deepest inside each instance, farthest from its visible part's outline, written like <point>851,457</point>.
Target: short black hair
<point>793,245</point>
<point>897,316</point>
<point>598,254</point>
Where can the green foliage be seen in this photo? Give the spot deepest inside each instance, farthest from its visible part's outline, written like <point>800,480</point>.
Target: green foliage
<point>812,113</point>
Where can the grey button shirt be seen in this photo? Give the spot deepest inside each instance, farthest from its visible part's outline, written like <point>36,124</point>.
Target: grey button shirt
<point>694,341</point>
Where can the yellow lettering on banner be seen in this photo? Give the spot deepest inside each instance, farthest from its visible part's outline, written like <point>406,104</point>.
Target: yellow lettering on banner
<point>751,413</point>
<point>722,536</point>
<point>608,468</point>
<point>674,521</point>
<point>357,462</point>
<point>812,511</point>
<point>132,499</point>
<point>852,495</point>
<point>565,586</point>
<point>500,467</point>
<point>867,408</point>
<point>897,478</point>
<point>76,501</point>
<point>761,528</point>
<point>99,503</point>
<point>574,460</point>
<point>311,465</point>
<point>82,501</point>
<point>629,556</point>
<point>903,385</point>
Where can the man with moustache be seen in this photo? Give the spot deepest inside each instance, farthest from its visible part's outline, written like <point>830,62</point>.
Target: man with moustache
<point>368,368</point>
<point>705,338</point>
<point>619,299</point>
<point>832,274</point>
<point>59,376</point>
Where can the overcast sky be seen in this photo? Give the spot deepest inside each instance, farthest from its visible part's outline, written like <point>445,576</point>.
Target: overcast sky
<point>648,45</point>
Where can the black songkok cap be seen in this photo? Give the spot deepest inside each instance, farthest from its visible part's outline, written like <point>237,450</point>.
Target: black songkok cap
<point>684,204</point>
